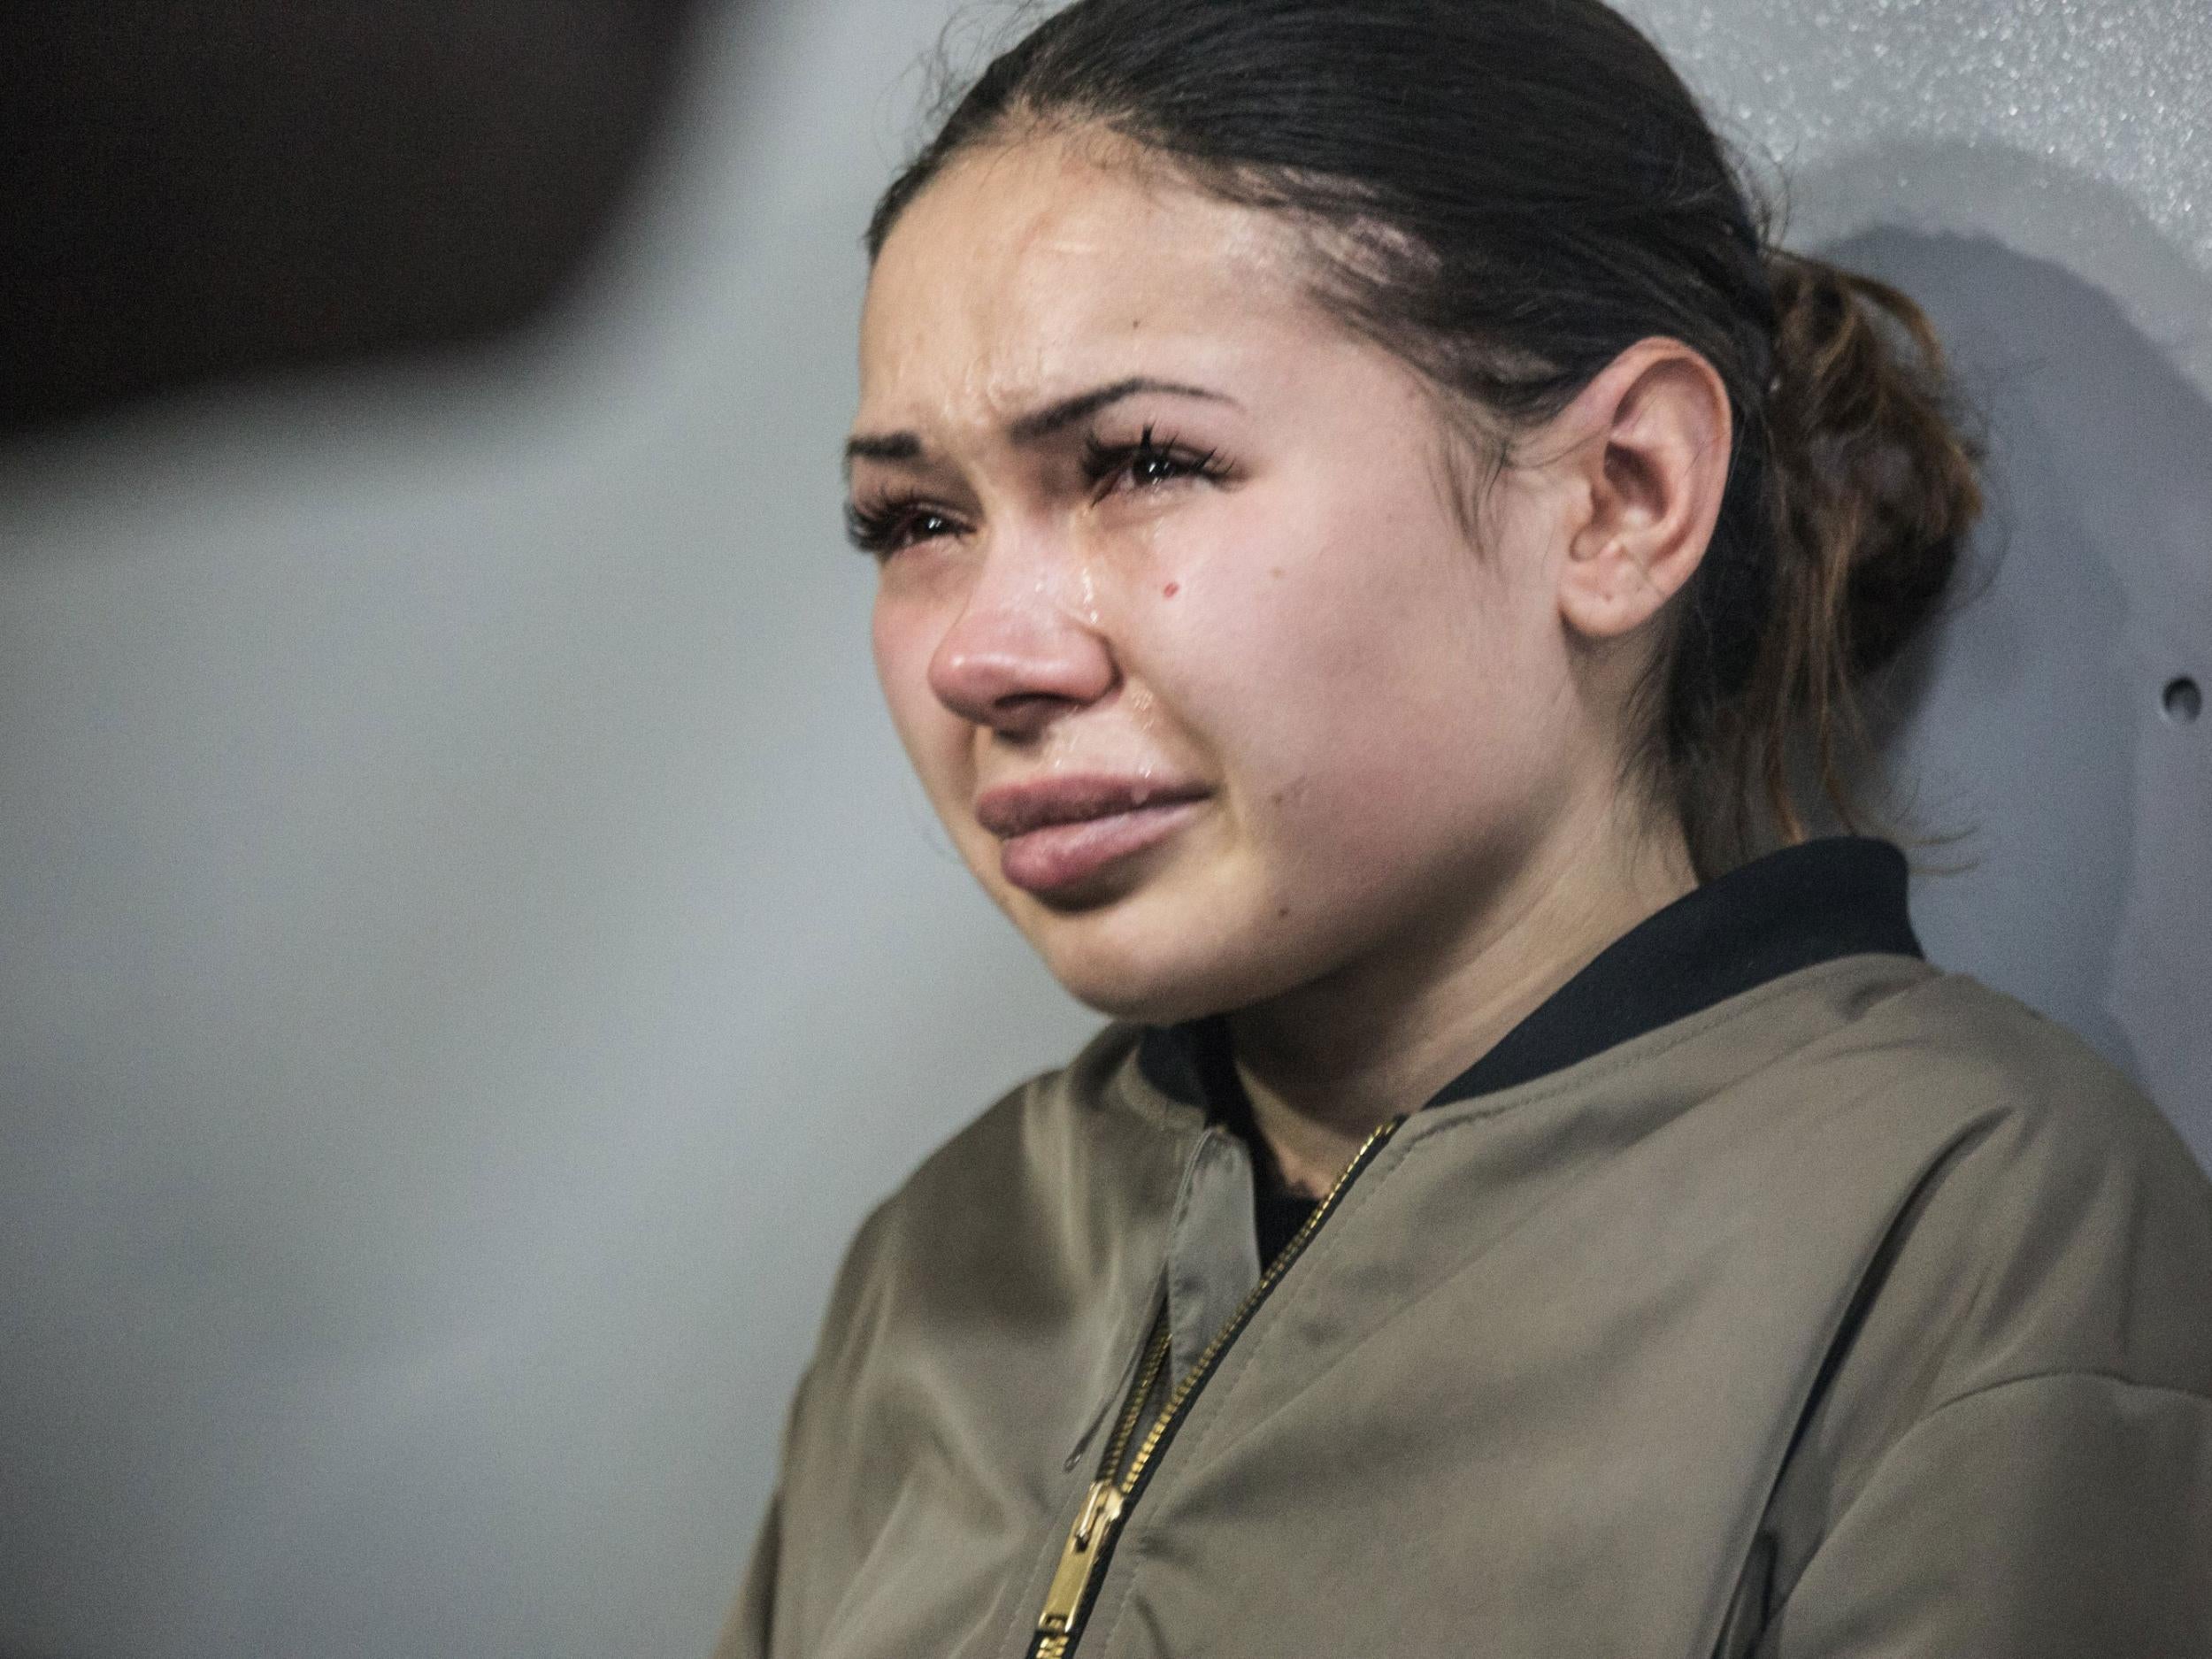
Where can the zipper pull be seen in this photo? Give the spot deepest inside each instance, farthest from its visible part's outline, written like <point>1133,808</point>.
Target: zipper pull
<point>1095,1528</point>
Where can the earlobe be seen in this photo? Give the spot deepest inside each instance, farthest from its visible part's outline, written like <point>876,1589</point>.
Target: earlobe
<point>1652,459</point>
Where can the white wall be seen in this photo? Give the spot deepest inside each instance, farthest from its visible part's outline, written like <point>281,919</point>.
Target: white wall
<point>470,952</point>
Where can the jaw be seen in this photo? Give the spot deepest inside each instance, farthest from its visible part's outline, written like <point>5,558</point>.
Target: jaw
<point>1195,937</point>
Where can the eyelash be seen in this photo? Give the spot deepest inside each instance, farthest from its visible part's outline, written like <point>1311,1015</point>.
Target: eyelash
<point>1104,461</point>
<point>883,526</point>
<point>880,527</point>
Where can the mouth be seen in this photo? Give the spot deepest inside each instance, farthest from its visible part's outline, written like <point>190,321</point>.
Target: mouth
<point>1057,835</point>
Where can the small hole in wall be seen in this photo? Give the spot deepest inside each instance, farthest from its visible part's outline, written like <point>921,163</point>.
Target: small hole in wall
<point>2184,701</point>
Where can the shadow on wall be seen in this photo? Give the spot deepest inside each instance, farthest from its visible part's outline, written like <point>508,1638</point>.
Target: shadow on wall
<point>195,199</point>
<point>2029,724</point>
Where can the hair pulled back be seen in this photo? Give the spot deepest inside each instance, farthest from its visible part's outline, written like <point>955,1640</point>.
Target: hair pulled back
<point>1507,194</point>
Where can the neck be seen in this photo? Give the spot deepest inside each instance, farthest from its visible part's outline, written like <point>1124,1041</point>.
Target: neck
<point>1326,1064</point>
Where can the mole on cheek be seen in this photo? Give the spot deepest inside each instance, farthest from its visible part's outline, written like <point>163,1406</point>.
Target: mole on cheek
<point>1170,590</point>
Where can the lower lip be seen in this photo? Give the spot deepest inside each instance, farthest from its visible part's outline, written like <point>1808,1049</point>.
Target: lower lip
<point>1060,857</point>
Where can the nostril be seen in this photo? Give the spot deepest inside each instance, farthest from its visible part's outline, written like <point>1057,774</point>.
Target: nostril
<point>1025,714</point>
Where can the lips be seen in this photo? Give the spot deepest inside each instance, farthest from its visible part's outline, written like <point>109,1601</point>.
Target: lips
<point>1057,834</point>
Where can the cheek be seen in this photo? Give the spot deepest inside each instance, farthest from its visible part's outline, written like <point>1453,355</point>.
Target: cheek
<point>903,635</point>
<point>1368,680</point>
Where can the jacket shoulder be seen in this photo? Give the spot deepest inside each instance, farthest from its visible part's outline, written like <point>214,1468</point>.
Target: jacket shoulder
<point>1004,1184</point>
<point>2028,1337</point>
<point>2065,1226</point>
<point>2055,1110</point>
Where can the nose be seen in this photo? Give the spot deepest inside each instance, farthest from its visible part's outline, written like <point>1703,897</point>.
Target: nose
<point>1023,652</point>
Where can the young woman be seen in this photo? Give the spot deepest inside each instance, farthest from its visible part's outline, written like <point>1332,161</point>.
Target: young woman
<point>1370,535</point>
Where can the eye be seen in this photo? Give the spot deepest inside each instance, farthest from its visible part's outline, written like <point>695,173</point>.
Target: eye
<point>881,529</point>
<point>1149,463</point>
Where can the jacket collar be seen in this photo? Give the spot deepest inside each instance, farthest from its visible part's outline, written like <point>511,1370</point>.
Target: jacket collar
<point>1791,909</point>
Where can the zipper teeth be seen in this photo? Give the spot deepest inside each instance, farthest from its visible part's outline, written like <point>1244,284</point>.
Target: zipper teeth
<point>1290,1253</point>
<point>1147,1377</point>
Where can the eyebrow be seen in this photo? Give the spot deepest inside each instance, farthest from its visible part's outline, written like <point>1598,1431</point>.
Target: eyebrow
<point>1034,427</point>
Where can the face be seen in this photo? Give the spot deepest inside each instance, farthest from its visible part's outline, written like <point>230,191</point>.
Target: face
<point>1176,617</point>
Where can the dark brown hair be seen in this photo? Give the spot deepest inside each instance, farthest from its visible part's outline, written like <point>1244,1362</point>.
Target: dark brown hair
<point>1508,194</point>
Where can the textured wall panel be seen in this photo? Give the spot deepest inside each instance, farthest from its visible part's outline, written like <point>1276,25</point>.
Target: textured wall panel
<point>2040,175</point>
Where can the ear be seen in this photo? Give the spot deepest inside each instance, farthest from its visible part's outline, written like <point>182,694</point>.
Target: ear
<point>1648,457</point>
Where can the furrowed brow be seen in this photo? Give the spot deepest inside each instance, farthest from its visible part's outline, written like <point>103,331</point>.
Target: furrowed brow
<point>1034,427</point>
<point>887,446</point>
<point>1043,422</point>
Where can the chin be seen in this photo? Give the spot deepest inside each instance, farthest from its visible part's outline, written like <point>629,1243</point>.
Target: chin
<point>1150,969</point>
<point>1137,999</point>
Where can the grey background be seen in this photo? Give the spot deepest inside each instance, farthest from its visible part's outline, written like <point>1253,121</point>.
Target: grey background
<point>470,951</point>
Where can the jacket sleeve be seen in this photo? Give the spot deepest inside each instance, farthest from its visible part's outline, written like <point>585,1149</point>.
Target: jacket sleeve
<point>2039,1518</point>
<point>747,1632</point>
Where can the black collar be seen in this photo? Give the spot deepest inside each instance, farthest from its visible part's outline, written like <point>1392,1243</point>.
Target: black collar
<point>1794,909</point>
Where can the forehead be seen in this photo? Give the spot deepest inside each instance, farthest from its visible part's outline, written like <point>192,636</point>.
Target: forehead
<point>1027,268</point>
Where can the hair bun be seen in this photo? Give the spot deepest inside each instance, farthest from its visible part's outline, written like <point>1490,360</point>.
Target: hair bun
<point>1875,486</point>
<point>1873,489</point>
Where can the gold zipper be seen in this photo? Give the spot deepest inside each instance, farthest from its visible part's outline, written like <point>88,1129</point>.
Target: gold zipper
<point>1107,1504</point>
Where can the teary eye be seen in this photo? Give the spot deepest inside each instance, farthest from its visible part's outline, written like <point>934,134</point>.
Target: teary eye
<point>884,527</point>
<point>1148,463</point>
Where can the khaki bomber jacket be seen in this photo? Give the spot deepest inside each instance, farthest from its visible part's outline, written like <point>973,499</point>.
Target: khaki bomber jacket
<point>1863,1313</point>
